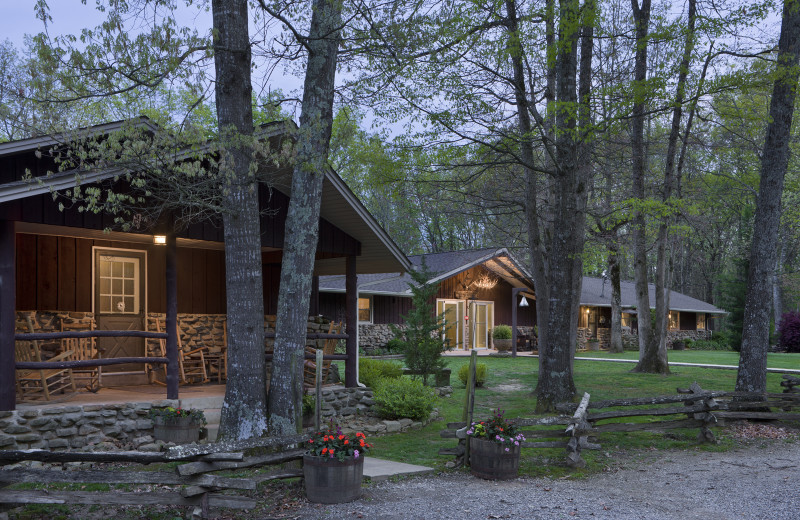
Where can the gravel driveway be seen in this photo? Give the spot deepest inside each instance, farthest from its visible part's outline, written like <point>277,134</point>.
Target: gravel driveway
<point>760,479</point>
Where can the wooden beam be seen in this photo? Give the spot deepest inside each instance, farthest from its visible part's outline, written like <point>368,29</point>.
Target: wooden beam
<point>172,316</point>
<point>118,498</point>
<point>351,319</point>
<point>8,304</point>
<point>95,476</point>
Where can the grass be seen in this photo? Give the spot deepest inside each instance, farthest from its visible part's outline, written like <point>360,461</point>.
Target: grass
<point>510,386</point>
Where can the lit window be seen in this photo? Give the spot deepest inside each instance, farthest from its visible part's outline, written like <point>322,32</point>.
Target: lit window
<point>701,321</point>
<point>626,319</point>
<point>365,310</point>
<point>674,323</point>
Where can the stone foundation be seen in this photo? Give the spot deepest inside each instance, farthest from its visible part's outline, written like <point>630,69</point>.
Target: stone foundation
<point>87,427</point>
<point>340,401</point>
<point>630,341</point>
<point>374,335</point>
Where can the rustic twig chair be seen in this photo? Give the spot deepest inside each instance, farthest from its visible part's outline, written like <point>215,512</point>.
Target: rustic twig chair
<point>310,367</point>
<point>192,363</point>
<point>40,383</point>
<point>82,349</point>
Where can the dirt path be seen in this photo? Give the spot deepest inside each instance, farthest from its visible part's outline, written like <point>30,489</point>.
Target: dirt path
<point>760,479</point>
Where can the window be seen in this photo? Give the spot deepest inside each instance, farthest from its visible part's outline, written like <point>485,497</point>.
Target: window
<point>701,321</point>
<point>674,320</point>
<point>626,319</point>
<point>365,310</point>
<point>119,285</point>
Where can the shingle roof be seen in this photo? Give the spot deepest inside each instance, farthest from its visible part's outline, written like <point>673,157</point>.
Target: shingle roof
<point>441,265</point>
<point>444,265</point>
<point>597,293</point>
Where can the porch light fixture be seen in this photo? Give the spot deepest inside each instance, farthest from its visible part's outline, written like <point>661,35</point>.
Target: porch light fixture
<point>160,240</point>
<point>523,302</point>
<point>485,282</point>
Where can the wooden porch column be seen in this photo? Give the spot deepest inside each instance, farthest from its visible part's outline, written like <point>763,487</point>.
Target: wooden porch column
<point>8,304</point>
<point>514,292</point>
<point>314,306</point>
<point>172,317</point>
<point>351,319</point>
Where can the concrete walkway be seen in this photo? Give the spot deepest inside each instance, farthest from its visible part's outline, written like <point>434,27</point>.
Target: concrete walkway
<point>380,469</point>
<point>685,364</point>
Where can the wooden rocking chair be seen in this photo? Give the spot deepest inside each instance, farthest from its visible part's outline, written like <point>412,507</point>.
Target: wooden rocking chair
<point>192,363</point>
<point>83,349</point>
<point>42,383</point>
<point>310,367</point>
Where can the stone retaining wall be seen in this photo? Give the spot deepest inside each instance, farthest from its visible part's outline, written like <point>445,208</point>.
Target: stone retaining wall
<point>374,335</point>
<point>127,426</point>
<point>630,341</point>
<point>96,426</point>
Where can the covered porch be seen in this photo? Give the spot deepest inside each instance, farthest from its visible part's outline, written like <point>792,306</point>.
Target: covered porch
<point>148,298</point>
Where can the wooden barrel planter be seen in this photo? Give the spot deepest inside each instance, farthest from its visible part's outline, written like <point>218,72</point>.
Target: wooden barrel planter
<point>490,460</point>
<point>180,430</point>
<point>502,345</point>
<point>330,481</point>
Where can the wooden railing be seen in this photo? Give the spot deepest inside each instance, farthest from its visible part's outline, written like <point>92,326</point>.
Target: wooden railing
<point>194,482</point>
<point>698,408</point>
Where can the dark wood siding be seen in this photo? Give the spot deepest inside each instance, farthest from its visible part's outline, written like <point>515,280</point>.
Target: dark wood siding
<point>55,273</point>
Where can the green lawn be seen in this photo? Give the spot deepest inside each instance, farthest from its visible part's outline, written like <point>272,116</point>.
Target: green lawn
<point>713,357</point>
<point>510,386</point>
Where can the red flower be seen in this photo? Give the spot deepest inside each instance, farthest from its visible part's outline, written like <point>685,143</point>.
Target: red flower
<point>346,441</point>
<point>341,437</point>
<point>325,450</point>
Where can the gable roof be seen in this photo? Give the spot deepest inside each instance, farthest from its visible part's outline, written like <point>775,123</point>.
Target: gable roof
<point>597,292</point>
<point>442,266</point>
<point>340,207</point>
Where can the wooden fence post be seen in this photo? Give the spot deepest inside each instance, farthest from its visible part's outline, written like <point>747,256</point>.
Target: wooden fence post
<point>469,401</point>
<point>318,394</point>
<point>578,429</point>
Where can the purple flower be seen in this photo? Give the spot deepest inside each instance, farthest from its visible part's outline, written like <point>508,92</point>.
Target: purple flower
<point>516,443</point>
<point>355,453</point>
<point>506,450</point>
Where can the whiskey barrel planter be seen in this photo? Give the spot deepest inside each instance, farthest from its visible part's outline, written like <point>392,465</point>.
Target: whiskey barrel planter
<point>502,345</point>
<point>331,481</point>
<point>180,430</point>
<point>490,460</point>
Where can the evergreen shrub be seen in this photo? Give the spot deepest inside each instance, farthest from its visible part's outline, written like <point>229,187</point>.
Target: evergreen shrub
<point>404,397</point>
<point>372,372</point>
<point>481,370</point>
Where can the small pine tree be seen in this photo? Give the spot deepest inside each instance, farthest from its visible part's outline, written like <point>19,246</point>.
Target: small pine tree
<point>422,333</point>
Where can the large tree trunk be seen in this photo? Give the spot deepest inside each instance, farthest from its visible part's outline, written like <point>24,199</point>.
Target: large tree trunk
<point>777,287</point>
<point>555,382</point>
<point>752,374</point>
<point>302,222</point>
<point>641,18</point>
<point>539,267</point>
<point>244,411</point>
<point>615,344</point>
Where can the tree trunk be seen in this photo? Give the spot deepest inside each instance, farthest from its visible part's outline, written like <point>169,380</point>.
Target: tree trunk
<point>661,364</point>
<point>777,287</point>
<point>615,345</point>
<point>556,384</point>
<point>302,221</point>
<point>641,18</point>
<point>244,411</point>
<point>752,374</point>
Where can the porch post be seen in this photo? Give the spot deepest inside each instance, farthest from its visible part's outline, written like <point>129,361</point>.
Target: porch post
<point>351,319</point>
<point>172,317</point>
<point>314,307</point>
<point>8,303</point>
<point>514,292</point>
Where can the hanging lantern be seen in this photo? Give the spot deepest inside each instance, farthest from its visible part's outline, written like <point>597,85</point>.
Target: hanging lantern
<point>523,302</point>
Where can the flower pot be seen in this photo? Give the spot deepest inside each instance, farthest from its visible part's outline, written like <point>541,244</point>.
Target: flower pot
<point>679,344</point>
<point>502,345</point>
<point>180,430</point>
<point>331,481</point>
<point>490,460</point>
<point>594,344</point>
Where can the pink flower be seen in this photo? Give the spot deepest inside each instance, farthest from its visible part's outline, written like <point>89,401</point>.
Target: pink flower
<point>507,449</point>
<point>355,453</point>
